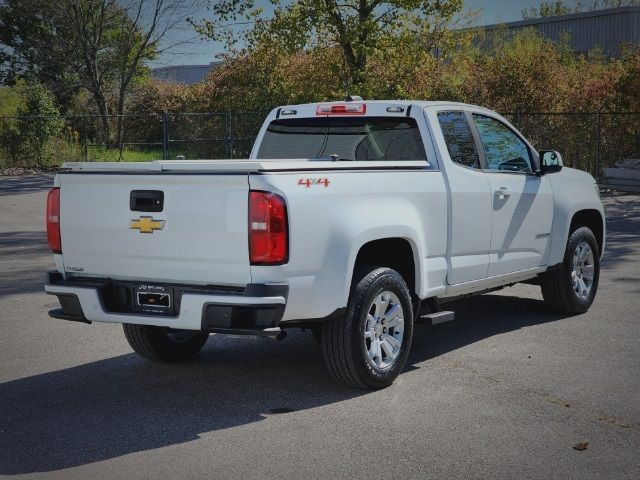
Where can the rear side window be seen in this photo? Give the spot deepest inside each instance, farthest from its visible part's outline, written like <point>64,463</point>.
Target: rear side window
<point>459,139</point>
<point>363,138</point>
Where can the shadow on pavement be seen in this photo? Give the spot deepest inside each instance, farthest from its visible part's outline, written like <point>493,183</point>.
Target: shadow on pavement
<point>478,318</point>
<point>20,252</point>
<point>25,184</point>
<point>620,246</point>
<point>124,404</point>
<point>623,229</point>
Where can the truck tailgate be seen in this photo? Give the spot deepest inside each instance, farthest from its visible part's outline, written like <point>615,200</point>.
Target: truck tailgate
<point>200,236</point>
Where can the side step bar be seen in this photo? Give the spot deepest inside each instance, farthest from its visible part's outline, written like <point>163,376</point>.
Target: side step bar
<point>438,317</point>
<point>275,333</point>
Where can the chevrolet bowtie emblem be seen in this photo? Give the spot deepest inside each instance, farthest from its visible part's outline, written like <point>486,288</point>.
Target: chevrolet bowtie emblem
<point>146,224</point>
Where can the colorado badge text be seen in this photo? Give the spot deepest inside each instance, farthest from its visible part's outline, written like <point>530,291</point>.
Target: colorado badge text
<point>146,224</point>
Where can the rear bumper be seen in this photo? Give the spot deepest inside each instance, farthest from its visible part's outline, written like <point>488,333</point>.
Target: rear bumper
<point>253,308</point>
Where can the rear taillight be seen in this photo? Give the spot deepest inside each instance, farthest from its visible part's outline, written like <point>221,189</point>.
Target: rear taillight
<point>268,242</point>
<point>53,220</point>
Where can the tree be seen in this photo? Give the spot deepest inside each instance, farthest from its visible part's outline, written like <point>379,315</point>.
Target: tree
<point>359,29</point>
<point>628,84</point>
<point>546,9</point>
<point>12,98</point>
<point>39,119</point>
<point>36,43</point>
<point>26,136</point>
<point>97,45</point>
<point>114,39</point>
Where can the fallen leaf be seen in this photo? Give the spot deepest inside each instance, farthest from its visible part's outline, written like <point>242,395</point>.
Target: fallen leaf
<point>581,446</point>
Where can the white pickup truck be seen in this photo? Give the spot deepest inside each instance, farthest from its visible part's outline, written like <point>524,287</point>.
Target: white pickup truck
<point>354,219</point>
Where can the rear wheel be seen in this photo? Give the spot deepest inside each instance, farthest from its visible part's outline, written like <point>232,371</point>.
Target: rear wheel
<point>161,344</point>
<point>572,288</point>
<point>316,331</point>
<point>368,348</point>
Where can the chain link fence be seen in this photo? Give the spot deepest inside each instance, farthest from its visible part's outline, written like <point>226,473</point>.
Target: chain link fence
<point>30,141</point>
<point>588,141</point>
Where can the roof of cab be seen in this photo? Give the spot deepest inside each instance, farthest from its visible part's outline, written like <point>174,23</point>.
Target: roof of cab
<point>405,103</point>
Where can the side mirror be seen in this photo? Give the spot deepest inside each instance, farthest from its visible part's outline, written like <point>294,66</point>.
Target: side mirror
<point>550,161</point>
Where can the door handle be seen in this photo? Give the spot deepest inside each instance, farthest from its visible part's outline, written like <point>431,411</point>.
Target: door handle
<point>146,201</point>
<point>502,193</point>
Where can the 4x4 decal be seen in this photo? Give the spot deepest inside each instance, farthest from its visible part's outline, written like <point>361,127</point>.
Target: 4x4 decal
<point>309,182</point>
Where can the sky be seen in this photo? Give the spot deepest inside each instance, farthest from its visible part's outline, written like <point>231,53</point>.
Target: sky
<point>198,51</point>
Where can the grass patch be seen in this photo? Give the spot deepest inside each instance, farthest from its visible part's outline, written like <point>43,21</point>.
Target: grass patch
<point>98,153</point>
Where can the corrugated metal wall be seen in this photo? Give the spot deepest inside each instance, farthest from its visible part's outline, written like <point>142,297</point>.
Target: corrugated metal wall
<point>187,74</point>
<point>606,29</point>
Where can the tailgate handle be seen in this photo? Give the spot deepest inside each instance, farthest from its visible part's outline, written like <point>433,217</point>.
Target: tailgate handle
<point>146,201</point>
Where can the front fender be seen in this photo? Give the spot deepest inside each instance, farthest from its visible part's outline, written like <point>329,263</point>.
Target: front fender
<point>573,191</point>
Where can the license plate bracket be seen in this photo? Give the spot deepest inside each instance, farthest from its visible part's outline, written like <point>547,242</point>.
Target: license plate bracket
<point>154,299</point>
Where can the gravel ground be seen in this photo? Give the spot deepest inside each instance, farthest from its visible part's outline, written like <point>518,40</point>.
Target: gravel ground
<point>505,391</point>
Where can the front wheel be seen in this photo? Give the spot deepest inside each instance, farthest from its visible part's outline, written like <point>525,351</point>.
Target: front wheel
<point>161,344</point>
<point>572,288</point>
<point>368,347</point>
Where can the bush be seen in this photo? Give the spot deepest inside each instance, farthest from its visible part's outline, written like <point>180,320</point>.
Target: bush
<point>31,137</point>
<point>507,73</point>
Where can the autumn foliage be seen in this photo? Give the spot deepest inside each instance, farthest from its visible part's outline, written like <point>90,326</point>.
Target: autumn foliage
<point>520,73</point>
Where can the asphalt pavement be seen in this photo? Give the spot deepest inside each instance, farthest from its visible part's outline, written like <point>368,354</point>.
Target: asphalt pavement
<point>506,391</point>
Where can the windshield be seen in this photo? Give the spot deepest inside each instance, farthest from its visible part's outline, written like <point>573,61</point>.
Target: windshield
<point>364,138</point>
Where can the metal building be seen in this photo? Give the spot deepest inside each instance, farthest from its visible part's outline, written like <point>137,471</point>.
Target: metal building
<point>607,29</point>
<point>186,74</point>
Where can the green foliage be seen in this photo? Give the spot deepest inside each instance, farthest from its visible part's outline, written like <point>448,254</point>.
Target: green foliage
<point>11,99</point>
<point>74,46</point>
<point>627,87</point>
<point>39,116</point>
<point>37,43</point>
<point>32,135</point>
<point>358,32</point>
<point>100,154</point>
<point>510,73</point>
<point>520,72</point>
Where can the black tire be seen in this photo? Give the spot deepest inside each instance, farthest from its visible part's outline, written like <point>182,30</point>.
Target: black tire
<point>344,346</point>
<point>557,285</point>
<point>160,344</point>
<point>316,331</point>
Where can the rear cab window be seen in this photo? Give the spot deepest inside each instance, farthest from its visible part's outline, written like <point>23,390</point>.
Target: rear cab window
<point>459,138</point>
<point>346,138</point>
